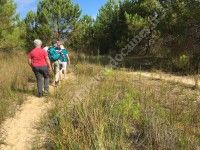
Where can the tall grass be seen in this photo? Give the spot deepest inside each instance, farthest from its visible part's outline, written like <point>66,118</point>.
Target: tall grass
<point>14,78</point>
<point>123,112</point>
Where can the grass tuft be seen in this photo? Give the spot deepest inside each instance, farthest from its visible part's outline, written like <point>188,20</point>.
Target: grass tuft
<point>123,112</point>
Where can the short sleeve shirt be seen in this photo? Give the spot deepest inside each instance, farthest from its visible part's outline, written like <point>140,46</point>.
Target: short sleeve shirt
<point>64,54</point>
<point>38,57</point>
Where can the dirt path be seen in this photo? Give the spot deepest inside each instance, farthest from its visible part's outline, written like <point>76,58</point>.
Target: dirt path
<point>20,131</point>
<point>185,80</point>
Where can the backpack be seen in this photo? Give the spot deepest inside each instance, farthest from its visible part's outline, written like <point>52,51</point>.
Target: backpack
<point>53,55</point>
<point>63,55</point>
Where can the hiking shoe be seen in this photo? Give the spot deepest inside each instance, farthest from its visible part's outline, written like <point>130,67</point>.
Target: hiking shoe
<point>40,95</point>
<point>57,83</point>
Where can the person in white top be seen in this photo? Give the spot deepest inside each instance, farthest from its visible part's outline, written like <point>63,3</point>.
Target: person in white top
<point>46,48</point>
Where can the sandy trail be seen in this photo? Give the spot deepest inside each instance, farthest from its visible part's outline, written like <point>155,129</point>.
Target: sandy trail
<point>185,80</point>
<point>20,131</point>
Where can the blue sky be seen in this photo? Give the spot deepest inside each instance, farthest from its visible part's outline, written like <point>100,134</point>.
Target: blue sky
<point>89,7</point>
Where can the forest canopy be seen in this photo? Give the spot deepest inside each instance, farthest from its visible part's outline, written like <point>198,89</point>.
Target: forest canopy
<point>173,34</point>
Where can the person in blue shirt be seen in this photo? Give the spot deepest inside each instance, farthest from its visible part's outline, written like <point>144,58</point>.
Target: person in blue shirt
<point>54,58</point>
<point>64,59</point>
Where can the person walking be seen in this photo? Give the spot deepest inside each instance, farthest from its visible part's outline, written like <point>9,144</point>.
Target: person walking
<point>39,61</point>
<point>54,58</point>
<point>64,59</point>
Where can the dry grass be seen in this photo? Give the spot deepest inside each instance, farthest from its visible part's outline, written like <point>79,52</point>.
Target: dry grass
<point>14,77</point>
<point>123,112</point>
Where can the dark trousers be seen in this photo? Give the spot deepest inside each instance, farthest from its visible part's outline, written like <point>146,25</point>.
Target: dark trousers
<point>42,76</point>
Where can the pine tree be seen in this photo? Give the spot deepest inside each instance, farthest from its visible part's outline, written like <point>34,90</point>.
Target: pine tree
<point>58,16</point>
<point>81,38</point>
<point>11,29</point>
<point>31,29</point>
<point>53,20</point>
<point>106,28</point>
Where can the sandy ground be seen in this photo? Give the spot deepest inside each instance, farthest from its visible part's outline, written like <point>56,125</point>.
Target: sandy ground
<point>185,80</point>
<point>20,131</point>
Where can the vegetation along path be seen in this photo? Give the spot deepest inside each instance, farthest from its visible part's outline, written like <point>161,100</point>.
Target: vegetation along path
<point>19,132</point>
